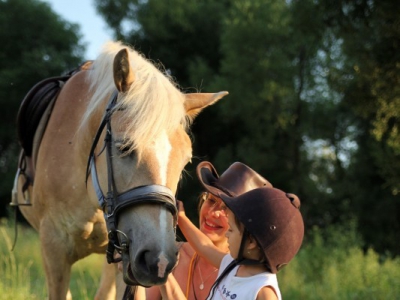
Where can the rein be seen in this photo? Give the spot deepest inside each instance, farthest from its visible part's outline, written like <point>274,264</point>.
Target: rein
<point>113,202</point>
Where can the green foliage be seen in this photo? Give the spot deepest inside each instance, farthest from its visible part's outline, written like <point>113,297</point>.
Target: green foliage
<point>36,44</point>
<point>369,78</point>
<point>332,265</point>
<point>22,273</point>
<point>313,101</point>
<point>189,29</point>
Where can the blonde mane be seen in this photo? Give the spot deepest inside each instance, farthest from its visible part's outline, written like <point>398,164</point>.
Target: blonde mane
<point>152,105</point>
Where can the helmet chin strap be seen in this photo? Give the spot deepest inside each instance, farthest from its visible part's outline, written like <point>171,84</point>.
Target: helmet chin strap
<point>246,261</point>
<point>240,260</point>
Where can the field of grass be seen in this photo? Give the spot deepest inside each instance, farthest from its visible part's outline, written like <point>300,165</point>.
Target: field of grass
<point>330,265</point>
<point>22,275</point>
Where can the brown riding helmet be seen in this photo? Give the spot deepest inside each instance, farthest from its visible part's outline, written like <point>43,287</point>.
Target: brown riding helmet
<point>236,180</point>
<point>273,218</point>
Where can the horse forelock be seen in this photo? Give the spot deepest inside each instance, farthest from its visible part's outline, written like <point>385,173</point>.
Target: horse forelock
<point>151,106</point>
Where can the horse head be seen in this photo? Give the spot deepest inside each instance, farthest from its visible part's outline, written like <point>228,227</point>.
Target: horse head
<point>136,170</point>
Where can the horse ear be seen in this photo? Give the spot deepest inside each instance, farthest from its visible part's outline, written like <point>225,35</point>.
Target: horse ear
<point>196,102</point>
<point>123,73</point>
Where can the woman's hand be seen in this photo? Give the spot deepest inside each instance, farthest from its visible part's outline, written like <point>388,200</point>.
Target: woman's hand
<point>181,210</point>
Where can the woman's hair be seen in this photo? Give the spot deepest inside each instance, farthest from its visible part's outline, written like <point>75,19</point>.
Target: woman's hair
<point>202,198</point>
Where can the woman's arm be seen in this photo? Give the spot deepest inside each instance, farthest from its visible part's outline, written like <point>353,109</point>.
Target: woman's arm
<point>198,240</point>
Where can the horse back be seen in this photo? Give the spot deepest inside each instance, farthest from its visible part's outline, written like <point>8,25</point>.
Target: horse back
<point>61,146</point>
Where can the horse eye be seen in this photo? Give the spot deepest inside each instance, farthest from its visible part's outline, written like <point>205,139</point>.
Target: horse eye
<point>123,146</point>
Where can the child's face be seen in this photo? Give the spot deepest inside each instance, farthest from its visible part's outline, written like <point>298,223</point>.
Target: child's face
<point>234,235</point>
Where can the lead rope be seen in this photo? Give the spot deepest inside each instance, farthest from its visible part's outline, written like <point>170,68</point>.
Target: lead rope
<point>130,292</point>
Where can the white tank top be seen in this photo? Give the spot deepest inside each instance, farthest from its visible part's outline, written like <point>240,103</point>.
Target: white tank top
<point>242,288</point>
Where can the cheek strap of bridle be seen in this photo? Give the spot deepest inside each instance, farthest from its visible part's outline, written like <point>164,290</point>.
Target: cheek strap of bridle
<point>113,202</point>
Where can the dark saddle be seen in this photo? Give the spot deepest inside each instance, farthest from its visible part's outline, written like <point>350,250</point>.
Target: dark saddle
<point>32,118</point>
<point>33,107</point>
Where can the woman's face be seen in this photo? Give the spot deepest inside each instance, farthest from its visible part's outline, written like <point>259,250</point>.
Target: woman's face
<point>213,220</point>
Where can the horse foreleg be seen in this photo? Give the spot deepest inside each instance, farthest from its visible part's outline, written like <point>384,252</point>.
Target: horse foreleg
<point>107,288</point>
<point>57,262</point>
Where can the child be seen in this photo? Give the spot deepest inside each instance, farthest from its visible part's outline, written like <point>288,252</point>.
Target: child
<point>266,232</point>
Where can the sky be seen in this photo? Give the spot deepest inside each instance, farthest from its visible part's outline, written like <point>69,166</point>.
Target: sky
<point>92,26</point>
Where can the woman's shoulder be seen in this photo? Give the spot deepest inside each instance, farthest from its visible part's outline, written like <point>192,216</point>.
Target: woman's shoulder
<point>185,249</point>
<point>186,253</point>
<point>181,272</point>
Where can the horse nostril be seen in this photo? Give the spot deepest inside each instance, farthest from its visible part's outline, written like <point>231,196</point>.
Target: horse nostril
<point>155,264</point>
<point>142,260</point>
<point>148,261</point>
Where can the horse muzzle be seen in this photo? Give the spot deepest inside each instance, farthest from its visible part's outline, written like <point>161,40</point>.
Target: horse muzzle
<point>151,266</point>
<point>145,238</point>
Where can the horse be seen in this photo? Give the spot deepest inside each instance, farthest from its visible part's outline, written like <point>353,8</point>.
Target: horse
<point>107,168</point>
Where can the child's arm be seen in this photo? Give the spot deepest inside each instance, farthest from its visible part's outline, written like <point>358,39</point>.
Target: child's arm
<point>267,293</point>
<point>198,240</point>
<point>171,289</point>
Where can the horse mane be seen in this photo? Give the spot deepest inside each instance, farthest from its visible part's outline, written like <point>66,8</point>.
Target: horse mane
<point>152,105</point>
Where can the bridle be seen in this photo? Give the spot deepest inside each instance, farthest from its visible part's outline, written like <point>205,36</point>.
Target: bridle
<point>113,202</point>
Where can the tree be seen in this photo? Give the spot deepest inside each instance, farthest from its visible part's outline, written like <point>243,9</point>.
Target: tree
<point>36,44</point>
<point>260,51</point>
<point>314,97</point>
<point>368,80</point>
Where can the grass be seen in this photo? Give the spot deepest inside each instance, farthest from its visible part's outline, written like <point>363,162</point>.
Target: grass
<point>22,274</point>
<point>330,265</point>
